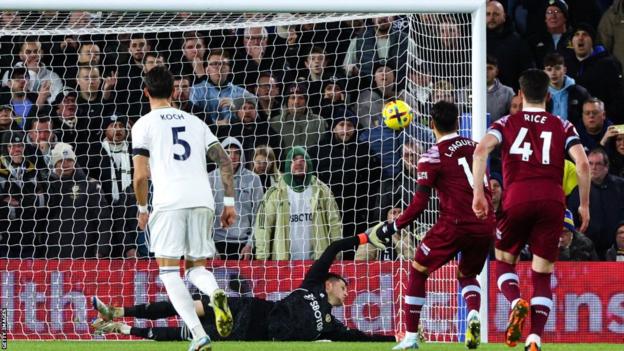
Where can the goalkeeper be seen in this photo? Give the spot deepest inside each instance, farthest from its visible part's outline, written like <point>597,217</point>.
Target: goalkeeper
<point>305,314</point>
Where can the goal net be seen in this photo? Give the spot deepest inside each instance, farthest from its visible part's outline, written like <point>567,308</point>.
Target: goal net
<point>72,88</point>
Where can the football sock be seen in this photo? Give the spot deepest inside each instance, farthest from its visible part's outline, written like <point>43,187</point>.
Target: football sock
<point>198,332</point>
<point>541,302</point>
<point>125,329</point>
<point>533,338</point>
<point>203,279</point>
<point>508,281</point>
<point>158,334</point>
<point>156,310</point>
<point>415,299</point>
<point>471,291</point>
<point>181,299</point>
<point>409,336</point>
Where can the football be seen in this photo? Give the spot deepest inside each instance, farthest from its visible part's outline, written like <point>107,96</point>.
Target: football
<point>397,114</point>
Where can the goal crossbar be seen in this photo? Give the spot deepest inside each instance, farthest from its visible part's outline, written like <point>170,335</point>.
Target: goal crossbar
<point>451,6</point>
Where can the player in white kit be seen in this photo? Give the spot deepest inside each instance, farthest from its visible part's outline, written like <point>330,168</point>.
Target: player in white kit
<point>170,146</point>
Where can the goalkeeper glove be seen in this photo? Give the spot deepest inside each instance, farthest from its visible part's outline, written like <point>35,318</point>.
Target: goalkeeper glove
<point>380,235</point>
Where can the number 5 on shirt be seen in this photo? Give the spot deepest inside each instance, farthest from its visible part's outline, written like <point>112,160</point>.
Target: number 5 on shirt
<point>178,141</point>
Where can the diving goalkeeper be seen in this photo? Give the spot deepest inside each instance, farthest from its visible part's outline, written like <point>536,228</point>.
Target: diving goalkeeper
<point>305,314</point>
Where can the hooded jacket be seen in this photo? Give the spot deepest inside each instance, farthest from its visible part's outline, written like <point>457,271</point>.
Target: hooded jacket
<point>293,182</point>
<point>567,102</point>
<point>272,230</point>
<point>248,193</point>
<point>499,100</point>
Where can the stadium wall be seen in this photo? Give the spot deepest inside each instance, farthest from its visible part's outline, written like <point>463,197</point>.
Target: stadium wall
<point>589,300</point>
<point>49,299</point>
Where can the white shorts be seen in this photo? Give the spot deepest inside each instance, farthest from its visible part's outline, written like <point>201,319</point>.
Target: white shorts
<point>185,232</point>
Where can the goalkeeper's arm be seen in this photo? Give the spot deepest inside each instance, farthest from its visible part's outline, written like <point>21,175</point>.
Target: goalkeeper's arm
<point>318,272</point>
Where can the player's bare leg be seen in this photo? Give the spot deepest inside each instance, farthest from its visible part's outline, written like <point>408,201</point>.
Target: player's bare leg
<point>414,301</point>
<point>541,301</point>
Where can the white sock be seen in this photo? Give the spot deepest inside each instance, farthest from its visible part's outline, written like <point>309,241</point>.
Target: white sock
<point>410,336</point>
<point>181,299</point>
<point>198,330</point>
<point>471,313</point>
<point>125,329</point>
<point>203,279</point>
<point>533,338</point>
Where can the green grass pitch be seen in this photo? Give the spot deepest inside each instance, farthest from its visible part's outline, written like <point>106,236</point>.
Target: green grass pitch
<point>274,346</point>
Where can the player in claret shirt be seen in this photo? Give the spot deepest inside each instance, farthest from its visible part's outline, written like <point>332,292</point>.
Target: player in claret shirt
<point>533,148</point>
<point>446,168</point>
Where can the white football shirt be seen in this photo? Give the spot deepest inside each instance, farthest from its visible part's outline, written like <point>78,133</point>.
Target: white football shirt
<point>176,143</point>
<point>300,224</point>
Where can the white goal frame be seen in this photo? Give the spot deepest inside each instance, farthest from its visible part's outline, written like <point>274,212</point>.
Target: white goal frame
<point>476,8</point>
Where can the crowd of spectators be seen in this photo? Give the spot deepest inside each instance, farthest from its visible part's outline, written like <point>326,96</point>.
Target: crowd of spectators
<point>298,109</point>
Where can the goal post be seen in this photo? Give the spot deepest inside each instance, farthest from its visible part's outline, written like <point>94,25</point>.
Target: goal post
<point>134,276</point>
